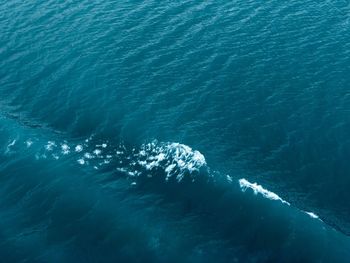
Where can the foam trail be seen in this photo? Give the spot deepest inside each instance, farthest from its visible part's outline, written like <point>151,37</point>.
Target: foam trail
<point>258,189</point>
<point>312,215</point>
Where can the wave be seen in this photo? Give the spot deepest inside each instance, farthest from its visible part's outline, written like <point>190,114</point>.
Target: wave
<point>172,161</point>
<point>225,208</point>
<point>176,161</point>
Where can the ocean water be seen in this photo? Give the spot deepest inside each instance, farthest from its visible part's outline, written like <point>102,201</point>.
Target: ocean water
<point>174,131</point>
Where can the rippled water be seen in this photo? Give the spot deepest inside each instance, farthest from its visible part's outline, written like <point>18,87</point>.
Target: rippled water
<point>174,131</point>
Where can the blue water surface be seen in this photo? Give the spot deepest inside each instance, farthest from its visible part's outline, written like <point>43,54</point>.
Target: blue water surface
<point>174,131</point>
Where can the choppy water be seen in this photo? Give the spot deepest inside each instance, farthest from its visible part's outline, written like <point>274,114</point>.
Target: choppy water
<point>174,131</point>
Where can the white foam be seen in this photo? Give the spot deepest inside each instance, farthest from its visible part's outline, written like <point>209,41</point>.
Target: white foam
<point>81,161</point>
<point>123,170</point>
<point>133,173</point>
<point>89,139</point>
<point>65,149</point>
<point>103,145</point>
<point>8,148</point>
<point>88,156</point>
<point>175,158</point>
<point>79,148</point>
<point>29,143</point>
<point>170,168</point>
<point>97,152</point>
<point>313,215</point>
<point>12,143</point>
<point>258,189</point>
<point>229,178</point>
<point>50,145</point>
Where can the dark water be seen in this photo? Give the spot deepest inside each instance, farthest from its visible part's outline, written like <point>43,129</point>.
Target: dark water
<point>134,131</point>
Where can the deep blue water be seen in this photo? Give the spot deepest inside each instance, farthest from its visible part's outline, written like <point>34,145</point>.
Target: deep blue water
<point>174,131</point>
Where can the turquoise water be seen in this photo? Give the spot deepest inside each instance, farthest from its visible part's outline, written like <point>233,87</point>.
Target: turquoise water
<point>174,131</point>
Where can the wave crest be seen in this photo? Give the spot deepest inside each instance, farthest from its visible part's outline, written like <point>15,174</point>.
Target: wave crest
<point>177,160</point>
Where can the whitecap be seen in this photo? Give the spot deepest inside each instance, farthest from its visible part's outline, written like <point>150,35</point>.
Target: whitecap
<point>176,159</point>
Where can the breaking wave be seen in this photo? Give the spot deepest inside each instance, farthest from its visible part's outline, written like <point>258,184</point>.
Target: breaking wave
<point>169,160</point>
<point>182,177</point>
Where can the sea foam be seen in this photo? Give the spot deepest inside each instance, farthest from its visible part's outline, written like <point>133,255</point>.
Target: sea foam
<point>258,189</point>
<point>174,158</point>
